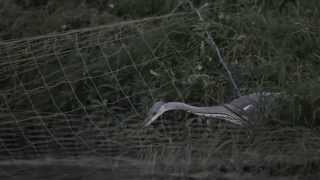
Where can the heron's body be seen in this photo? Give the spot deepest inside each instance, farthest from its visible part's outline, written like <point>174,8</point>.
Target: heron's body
<point>240,111</point>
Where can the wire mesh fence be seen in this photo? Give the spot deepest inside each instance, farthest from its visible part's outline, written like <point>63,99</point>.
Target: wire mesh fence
<point>86,92</point>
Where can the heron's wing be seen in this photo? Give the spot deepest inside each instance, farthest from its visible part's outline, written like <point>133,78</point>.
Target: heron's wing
<point>219,112</point>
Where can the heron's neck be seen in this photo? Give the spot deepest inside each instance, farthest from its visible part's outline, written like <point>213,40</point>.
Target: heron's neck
<point>193,109</point>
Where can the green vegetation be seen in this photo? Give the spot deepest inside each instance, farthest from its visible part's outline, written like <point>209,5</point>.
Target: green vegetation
<point>269,45</point>
<point>117,72</point>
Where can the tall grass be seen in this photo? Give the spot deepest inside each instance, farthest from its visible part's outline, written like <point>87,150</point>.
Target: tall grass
<point>268,46</point>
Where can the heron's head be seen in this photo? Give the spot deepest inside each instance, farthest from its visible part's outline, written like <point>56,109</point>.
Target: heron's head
<point>156,110</point>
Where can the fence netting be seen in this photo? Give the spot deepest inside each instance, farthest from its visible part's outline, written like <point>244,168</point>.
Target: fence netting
<point>87,91</point>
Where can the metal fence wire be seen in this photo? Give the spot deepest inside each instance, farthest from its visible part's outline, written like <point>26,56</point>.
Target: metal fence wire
<point>86,92</point>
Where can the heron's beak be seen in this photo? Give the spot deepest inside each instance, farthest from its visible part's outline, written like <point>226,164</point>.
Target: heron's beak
<point>150,119</point>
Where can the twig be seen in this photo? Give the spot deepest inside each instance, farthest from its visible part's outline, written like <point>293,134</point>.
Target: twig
<point>214,45</point>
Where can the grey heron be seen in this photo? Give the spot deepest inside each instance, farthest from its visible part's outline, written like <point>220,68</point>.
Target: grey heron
<point>240,111</point>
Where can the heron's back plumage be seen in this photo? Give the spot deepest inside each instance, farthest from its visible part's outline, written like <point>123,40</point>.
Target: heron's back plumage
<point>249,107</point>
